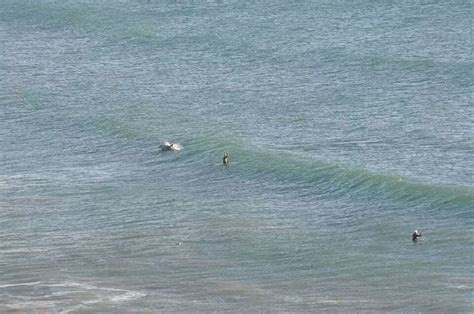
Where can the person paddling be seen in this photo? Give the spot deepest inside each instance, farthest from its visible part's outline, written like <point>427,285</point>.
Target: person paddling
<point>168,146</point>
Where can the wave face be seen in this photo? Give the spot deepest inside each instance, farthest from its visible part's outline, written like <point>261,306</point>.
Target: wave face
<point>347,126</point>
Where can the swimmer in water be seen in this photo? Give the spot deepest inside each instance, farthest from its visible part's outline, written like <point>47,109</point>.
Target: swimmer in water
<point>226,160</point>
<point>168,146</point>
<point>416,234</point>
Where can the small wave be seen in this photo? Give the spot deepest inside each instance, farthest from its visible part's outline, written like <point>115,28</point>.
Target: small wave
<point>297,169</point>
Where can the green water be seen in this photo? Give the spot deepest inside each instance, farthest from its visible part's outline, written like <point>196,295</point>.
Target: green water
<point>348,126</point>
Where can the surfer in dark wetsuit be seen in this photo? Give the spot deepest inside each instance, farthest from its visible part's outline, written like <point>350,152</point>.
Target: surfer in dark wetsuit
<point>415,235</point>
<point>226,160</point>
<point>168,146</point>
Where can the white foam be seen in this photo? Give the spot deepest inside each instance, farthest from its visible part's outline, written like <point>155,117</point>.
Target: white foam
<point>329,302</point>
<point>33,305</point>
<point>20,284</point>
<point>68,295</point>
<point>127,296</point>
<point>462,287</point>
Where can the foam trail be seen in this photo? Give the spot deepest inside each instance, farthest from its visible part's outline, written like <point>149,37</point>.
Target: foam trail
<point>64,296</point>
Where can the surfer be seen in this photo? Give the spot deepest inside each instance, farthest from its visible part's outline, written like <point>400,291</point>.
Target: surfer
<point>168,146</point>
<point>226,160</point>
<point>165,146</point>
<point>415,235</point>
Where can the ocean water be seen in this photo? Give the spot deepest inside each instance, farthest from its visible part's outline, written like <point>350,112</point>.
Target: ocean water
<point>348,123</point>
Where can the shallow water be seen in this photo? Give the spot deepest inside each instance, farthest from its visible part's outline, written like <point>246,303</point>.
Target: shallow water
<point>348,126</point>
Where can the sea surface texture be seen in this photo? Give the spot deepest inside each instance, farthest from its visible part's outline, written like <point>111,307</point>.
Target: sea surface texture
<point>349,124</point>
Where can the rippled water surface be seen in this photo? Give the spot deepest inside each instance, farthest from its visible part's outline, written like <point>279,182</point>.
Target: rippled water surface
<point>348,125</point>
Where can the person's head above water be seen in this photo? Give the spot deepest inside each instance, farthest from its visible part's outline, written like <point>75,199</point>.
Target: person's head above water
<point>415,235</point>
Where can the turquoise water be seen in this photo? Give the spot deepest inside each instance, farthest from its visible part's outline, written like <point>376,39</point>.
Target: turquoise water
<point>348,125</point>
